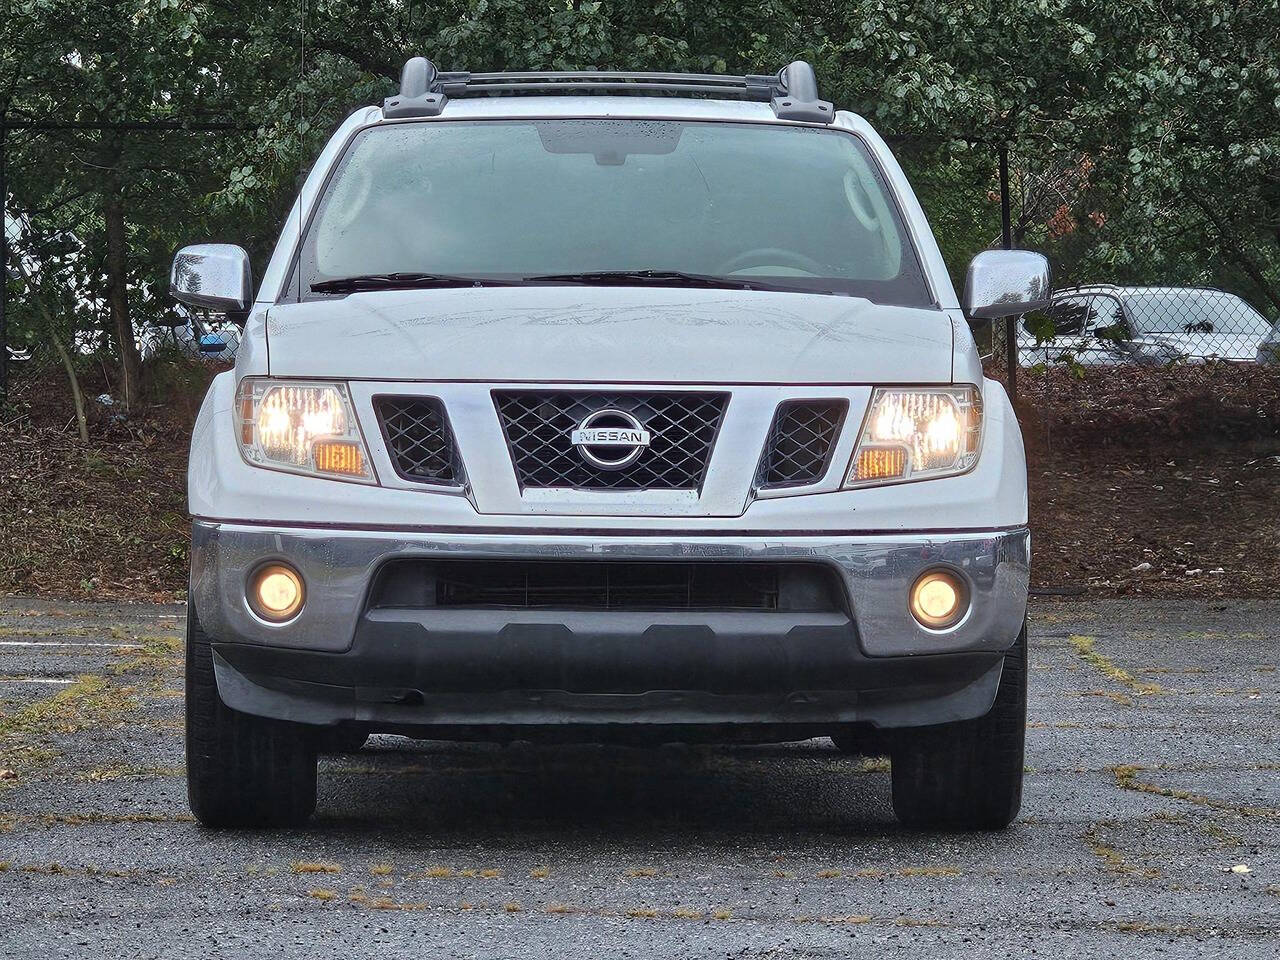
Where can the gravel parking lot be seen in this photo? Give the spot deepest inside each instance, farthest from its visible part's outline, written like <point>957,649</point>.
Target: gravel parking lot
<point>1151,822</point>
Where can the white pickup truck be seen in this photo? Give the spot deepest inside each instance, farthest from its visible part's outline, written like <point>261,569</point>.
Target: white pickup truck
<point>607,406</point>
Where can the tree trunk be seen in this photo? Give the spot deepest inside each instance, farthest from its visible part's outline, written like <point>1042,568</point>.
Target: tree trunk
<point>77,395</point>
<point>118,290</point>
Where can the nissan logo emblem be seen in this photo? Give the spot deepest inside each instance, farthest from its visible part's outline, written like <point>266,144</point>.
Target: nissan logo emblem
<point>610,439</point>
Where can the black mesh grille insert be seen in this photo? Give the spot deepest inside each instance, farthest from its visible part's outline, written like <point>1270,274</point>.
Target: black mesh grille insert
<point>682,428</point>
<point>419,440</point>
<point>609,585</point>
<point>801,442</point>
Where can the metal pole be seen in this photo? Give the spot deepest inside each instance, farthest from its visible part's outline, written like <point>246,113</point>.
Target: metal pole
<point>1006,232</point>
<point>4,267</point>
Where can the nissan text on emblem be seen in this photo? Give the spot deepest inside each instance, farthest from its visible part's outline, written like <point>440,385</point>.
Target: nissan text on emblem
<point>610,439</point>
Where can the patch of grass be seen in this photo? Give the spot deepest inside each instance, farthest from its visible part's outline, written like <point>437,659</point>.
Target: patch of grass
<point>106,774</point>
<point>1113,695</point>
<point>722,914</point>
<point>315,866</point>
<point>42,633</point>
<point>642,913</point>
<point>1112,860</point>
<point>828,874</point>
<point>1085,647</point>
<point>929,872</point>
<point>684,913</point>
<point>91,701</point>
<point>435,873</point>
<point>95,817</point>
<point>322,894</point>
<point>1127,779</point>
<point>159,653</point>
<point>53,868</point>
<point>540,873</point>
<point>513,906</point>
<point>381,869</point>
<point>1223,836</point>
<point>555,907</point>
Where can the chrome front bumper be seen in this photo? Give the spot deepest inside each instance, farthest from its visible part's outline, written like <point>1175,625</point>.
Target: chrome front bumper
<point>877,571</point>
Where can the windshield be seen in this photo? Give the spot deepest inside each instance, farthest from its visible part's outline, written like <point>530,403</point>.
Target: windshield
<point>1194,311</point>
<point>798,207</point>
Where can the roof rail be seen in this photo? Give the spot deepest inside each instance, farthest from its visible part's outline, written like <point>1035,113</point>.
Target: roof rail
<point>792,91</point>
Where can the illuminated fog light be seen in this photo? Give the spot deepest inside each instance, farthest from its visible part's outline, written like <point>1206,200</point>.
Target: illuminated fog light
<point>276,592</point>
<point>939,599</point>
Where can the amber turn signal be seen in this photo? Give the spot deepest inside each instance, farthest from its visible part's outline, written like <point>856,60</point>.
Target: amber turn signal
<point>276,592</point>
<point>339,456</point>
<point>879,463</point>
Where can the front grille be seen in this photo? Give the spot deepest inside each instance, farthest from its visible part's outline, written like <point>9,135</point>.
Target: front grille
<point>682,428</point>
<point>608,585</point>
<point>801,441</point>
<point>417,434</point>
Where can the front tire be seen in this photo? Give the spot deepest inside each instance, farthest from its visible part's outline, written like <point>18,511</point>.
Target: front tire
<point>242,770</point>
<point>967,775</point>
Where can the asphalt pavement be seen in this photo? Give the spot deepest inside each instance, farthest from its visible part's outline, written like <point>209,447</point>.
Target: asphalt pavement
<point>1150,825</point>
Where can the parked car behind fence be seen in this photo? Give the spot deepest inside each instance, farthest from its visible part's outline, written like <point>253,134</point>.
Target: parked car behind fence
<point>1106,325</point>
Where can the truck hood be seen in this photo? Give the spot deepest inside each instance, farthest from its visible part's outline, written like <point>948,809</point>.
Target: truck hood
<point>608,335</point>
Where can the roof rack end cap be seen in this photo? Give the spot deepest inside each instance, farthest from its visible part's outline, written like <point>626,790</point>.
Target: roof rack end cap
<point>798,98</point>
<point>416,97</point>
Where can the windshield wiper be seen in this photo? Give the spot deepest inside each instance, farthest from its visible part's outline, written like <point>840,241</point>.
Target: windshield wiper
<point>658,278</point>
<point>404,281</point>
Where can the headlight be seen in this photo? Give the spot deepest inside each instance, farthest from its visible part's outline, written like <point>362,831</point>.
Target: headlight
<point>915,434</point>
<point>302,427</point>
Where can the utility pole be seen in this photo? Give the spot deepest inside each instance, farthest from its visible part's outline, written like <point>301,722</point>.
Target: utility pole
<point>4,265</point>
<point>1006,231</point>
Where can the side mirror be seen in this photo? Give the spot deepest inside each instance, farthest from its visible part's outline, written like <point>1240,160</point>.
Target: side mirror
<point>1005,283</point>
<point>212,276</point>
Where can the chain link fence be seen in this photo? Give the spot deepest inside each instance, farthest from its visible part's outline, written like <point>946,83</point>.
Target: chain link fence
<point>57,318</point>
<point>59,347</point>
<point>1153,333</point>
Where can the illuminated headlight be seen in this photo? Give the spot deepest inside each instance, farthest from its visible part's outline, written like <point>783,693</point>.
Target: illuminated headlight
<point>915,434</point>
<point>302,427</point>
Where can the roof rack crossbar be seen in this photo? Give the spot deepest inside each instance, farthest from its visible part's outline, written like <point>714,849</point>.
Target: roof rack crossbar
<point>598,85</point>
<point>792,92</point>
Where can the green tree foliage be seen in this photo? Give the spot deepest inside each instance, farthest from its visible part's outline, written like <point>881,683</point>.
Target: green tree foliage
<point>1142,135</point>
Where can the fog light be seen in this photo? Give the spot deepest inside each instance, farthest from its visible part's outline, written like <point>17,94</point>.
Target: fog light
<point>276,592</point>
<point>939,599</point>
